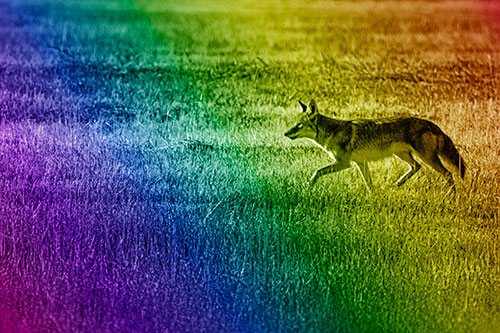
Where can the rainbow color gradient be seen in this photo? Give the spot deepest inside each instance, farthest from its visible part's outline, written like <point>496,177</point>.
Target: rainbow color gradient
<point>146,185</point>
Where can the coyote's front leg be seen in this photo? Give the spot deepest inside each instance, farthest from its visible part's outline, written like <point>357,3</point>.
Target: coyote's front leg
<point>334,167</point>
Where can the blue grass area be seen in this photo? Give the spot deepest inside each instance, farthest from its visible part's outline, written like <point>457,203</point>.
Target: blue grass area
<point>84,243</point>
<point>85,246</point>
<point>77,63</point>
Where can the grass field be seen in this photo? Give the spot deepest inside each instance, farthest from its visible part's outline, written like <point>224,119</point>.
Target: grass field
<point>147,184</point>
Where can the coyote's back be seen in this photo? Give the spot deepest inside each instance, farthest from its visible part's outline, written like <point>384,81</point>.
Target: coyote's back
<point>363,140</point>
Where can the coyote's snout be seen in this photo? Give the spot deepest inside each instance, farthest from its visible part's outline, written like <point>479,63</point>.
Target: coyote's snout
<point>363,140</point>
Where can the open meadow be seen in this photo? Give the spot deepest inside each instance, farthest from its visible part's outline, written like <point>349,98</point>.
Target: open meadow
<point>147,185</point>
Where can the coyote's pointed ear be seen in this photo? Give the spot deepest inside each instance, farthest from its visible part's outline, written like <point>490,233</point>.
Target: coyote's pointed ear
<point>304,107</point>
<point>313,108</point>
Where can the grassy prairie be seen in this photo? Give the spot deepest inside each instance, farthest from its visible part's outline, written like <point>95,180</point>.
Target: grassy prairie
<point>149,187</point>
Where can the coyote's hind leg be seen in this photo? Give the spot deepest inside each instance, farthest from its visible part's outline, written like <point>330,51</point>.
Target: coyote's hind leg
<point>365,174</point>
<point>414,166</point>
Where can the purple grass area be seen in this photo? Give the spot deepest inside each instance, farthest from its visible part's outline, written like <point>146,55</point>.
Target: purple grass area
<point>82,247</point>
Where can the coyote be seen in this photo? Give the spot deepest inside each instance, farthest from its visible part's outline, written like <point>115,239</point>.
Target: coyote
<point>363,140</point>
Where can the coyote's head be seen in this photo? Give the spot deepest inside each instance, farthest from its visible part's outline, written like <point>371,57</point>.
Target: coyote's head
<point>307,126</point>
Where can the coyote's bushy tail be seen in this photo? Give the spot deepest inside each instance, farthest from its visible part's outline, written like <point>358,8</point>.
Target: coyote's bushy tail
<point>448,153</point>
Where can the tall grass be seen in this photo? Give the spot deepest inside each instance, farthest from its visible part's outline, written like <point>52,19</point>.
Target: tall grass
<point>148,185</point>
